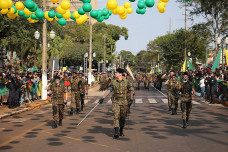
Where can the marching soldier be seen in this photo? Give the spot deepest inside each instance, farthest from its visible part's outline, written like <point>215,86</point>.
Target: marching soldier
<point>119,87</point>
<point>82,87</point>
<point>75,94</point>
<point>168,89</point>
<point>58,90</point>
<point>131,81</point>
<point>138,80</point>
<point>186,89</point>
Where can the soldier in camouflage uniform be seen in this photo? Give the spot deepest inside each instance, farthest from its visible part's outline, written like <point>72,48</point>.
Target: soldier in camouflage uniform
<point>174,93</point>
<point>168,89</point>
<point>82,89</point>
<point>147,81</point>
<point>138,80</point>
<point>58,90</point>
<point>76,84</point>
<point>186,89</point>
<point>119,87</point>
<point>131,81</point>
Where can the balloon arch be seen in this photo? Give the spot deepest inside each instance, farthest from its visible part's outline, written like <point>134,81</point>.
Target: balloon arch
<point>29,10</point>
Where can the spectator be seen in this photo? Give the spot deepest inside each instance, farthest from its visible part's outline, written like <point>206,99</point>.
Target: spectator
<point>202,86</point>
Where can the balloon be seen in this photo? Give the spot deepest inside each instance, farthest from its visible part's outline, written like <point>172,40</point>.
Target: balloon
<point>76,15</point>
<point>54,1</point>
<point>87,7</point>
<point>58,15</point>
<point>11,10</point>
<point>123,17</point>
<point>161,9</point>
<point>33,16</point>
<point>51,14</point>
<point>112,4</point>
<point>100,19</point>
<point>65,5</point>
<point>142,11</point>
<point>11,16</point>
<point>129,10</point>
<point>99,14</point>
<point>67,15</point>
<point>105,12</point>
<point>106,17</point>
<point>86,1</point>
<point>150,3</point>
<point>21,13</point>
<point>34,8</point>
<point>165,1</point>
<point>29,4</point>
<point>62,21</point>
<point>39,13</point>
<point>141,4</point>
<point>19,6</point>
<point>132,0</point>
<point>46,14</point>
<point>84,17</point>
<point>60,10</point>
<point>81,11</point>
<point>94,13</point>
<point>26,16</point>
<point>127,4</point>
<point>72,16</point>
<point>4,11</point>
<point>4,4</point>
<point>120,10</point>
<point>114,12</point>
<point>110,13</point>
<point>15,9</point>
<point>50,19</point>
<point>10,3</point>
<point>27,12</point>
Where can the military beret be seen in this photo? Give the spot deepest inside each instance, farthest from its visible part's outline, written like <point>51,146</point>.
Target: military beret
<point>120,70</point>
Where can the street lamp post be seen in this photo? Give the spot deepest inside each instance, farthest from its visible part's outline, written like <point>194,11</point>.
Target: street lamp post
<point>85,63</point>
<point>90,51</point>
<point>218,43</point>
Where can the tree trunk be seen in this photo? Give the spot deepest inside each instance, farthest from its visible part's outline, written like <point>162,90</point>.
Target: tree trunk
<point>11,56</point>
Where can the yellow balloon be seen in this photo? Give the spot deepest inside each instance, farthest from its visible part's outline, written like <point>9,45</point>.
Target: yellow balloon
<point>56,18</point>
<point>165,1</point>
<point>111,4</point>
<point>46,14</point>
<point>4,4</point>
<point>11,10</point>
<point>11,16</point>
<point>123,17</point>
<point>54,1</point>
<point>120,10</point>
<point>161,9</point>
<point>19,6</point>
<point>60,10</point>
<point>76,15</point>
<point>4,11</point>
<point>129,10</point>
<point>65,5</point>
<point>114,12</point>
<point>50,19</point>
<point>127,4</point>
<point>67,15</point>
<point>85,18</point>
<point>80,20</point>
<point>27,11</point>
<point>10,3</point>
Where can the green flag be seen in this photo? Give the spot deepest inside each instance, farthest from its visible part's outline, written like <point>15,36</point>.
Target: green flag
<point>217,60</point>
<point>190,65</point>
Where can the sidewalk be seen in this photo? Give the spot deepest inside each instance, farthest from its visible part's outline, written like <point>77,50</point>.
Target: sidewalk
<point>6,112</point>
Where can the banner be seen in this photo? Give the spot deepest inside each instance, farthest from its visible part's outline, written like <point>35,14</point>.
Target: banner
<point>130,72</point>
<point>217,60</point>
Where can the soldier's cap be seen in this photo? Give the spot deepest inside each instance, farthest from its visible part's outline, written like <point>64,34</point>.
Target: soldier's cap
<point>57,77</point>
<point>185,73</point>
<point>119,70</point>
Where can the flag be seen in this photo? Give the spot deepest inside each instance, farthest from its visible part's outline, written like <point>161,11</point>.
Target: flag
<point>217,60</point>
<point>184,67</point>
<point>226,53</point>
<point>190,65</point>
<point>130,72</point>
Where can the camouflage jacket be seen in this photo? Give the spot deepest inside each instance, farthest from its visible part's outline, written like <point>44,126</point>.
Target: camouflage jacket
<point>77,84</point>
<point>174,88</point>
<point>58,92</point>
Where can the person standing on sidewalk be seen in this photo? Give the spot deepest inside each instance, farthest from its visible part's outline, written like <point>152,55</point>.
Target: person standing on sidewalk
<point>212,88</point>
<point>202,86</point>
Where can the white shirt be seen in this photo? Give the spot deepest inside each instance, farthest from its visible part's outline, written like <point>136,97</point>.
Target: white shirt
<point>202,84</point>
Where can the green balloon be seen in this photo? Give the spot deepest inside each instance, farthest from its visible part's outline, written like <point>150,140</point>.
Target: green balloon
<point>81,11</point>
<point>39,13</point>
<point>51,14</point>
<point>87,7</point>
<point>132,0</point>
<point>105,12</point>
<point>86,1</point>
<point>94,13</point>
<point>29,4</point>
<point>58,15</point>
<point>21,13</point>
<point>0,9</point>
<point>34,8</point>
<point>141,4</point>
<point>15,9</point>
<point>150,3</point>
<point>62,21</point>
<point>100,19</point>
<point>110,13</point>
<point>72,16</point>
<point>142,11</point>
<point>99,14</point>
<point>26,16</point>
<point>138,11</point>
<point>33,16</point>
<point>106,17</point>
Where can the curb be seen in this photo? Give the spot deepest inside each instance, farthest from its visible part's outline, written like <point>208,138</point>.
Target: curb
<point>31,107</point>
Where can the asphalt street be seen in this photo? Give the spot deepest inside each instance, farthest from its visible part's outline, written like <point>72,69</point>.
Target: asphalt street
<point>150,127</point>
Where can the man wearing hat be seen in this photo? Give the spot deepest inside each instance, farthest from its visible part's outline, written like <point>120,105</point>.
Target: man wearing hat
<point>186,88</point>
<point>58,90</point>
<point>119,87</point>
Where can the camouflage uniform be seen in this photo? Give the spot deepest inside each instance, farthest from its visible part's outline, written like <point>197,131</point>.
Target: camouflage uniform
<point>147,81</point>
<point>120,103</point>
<point>58,100</point>
<point>138,80</point>
<point>75,94</point>
<point>174,95</point>
<point>130,80</point>
<point>169,94</point>
<point>186,99</point>
<point>82,92</point>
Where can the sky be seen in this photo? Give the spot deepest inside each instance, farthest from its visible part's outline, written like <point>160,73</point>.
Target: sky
<point>145,28</point>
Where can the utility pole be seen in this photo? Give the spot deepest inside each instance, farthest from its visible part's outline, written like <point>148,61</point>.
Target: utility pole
<point>111,57</point>
<point>44,57</point>
<point>104,52</point>
<point>90,51</point>
<point>185,51</point>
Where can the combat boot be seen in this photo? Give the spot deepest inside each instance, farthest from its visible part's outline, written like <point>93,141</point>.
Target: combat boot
<point>184,124</point>
<point>169,108</point>
<point>77,111</point>
<point>121,131</point>
<point>60,122</point>
<point>173,112</point>
<point>187,122</point>
<point>55,124</point>
<point>71,111</point>
<point>116,134</point>
<point>82,106</point>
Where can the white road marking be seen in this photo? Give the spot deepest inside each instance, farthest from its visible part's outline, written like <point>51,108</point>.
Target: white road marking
<point>194,102</point>
<point>109,101</point>
<point>152,101</point>
<point>165,100</point>
<point>138,101</point>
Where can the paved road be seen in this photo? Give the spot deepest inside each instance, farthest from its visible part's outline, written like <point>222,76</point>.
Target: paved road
<point>150,127</point>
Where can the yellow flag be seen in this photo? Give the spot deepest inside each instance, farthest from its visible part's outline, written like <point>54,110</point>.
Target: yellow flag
<point>184,67</point>
<point>226,53</point>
